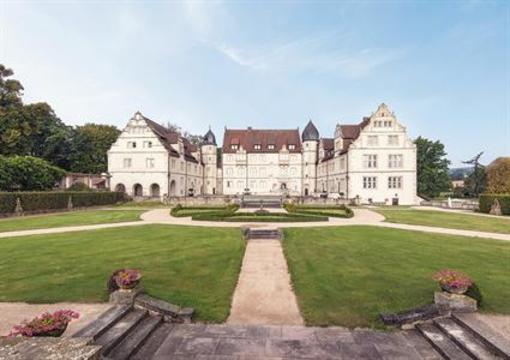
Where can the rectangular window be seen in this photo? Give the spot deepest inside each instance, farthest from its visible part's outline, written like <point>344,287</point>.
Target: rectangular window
<point>395,182</point>
<point>229,171</point>
<point>292,147</point>
<point>149,163</point>
<point>257,146</point>
<point>373,140</point>
<point>369,182</point>
<point>370,161</point>
<point>240,184</point>
<point>131,144</point>
<point>229,184</point>
<point>270,147</point>
<point>392,139</point>
<point>173,163</point>
<point>395,161</point>
<point>147,144</point>
<point>127,163</point>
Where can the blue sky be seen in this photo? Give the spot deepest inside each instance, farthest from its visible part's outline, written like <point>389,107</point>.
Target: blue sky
<point>442,66</point>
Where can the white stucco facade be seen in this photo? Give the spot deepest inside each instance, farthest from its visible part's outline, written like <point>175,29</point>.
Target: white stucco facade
<point>373,161</point>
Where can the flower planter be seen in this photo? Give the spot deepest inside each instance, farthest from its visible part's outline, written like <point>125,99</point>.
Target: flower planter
<point>452,290</point>
<point>54,332</point>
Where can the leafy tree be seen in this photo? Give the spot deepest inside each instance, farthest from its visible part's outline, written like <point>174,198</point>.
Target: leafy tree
<point>27,173</point>
<point>432,167</point>
<point>31,129</point>
<point>498,176</point>
<point>10,89</point>
<point>89,146</point>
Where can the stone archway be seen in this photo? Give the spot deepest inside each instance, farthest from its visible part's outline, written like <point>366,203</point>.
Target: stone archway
<point>137,190</point>
<point>173,191</point>
<point>155,191</point>
<point>120,188</point>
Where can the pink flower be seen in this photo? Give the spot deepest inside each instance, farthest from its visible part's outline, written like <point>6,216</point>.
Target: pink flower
<point>45,323</point>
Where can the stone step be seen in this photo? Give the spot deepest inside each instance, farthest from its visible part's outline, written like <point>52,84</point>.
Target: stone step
<point>421,345</point>
<point>103,322</point>
<point>465,340</point>
<point>497,342</point>
<point>441,342</point>
<point>152,344</point>
<point>136,338</point>
<point>263,234</point>
<point>115,334</point>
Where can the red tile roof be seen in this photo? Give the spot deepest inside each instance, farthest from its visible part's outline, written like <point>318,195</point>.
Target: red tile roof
<point>248,138</point>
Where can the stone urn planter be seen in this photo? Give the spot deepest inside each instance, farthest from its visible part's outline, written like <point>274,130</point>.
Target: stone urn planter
<point>454,290</point>
<point>127,279</point>
<point>53,333</point>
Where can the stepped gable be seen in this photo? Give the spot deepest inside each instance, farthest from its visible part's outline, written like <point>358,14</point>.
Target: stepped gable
<point>248,138</point>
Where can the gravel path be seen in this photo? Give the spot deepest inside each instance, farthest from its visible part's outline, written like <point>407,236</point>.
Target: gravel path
<point>264,293</point>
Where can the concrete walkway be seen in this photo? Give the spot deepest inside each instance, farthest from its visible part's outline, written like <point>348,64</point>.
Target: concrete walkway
<point>264,293</point>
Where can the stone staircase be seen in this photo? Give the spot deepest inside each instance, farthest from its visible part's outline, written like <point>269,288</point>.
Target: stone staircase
<point>132,332</point>
<point>463,336</point>
<point>263,233</point>
<point>257,201</point>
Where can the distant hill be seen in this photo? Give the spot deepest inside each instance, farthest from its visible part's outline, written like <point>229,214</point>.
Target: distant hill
<point>460,173</point>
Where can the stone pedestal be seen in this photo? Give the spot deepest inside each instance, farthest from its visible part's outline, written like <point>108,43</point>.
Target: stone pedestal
<point>454,302</point>
<point>126,297</point>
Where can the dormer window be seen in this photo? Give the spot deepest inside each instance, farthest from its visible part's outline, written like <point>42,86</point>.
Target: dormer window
<point>270,147</point>
<point>234,146</point>
<point>292,147</point>
<point>257,147</point>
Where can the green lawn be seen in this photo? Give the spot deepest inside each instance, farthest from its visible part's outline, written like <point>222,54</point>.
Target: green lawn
<point>447,220</point>
<point>188,266</point>
<point>347,275</point>
<point>85,217</point>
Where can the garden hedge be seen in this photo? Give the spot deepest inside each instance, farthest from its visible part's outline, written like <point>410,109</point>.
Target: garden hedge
<point>256,217</point>
<point>176,210</point>
<point>320,210</point>
<point>486,201</point>
<point>56,200</point>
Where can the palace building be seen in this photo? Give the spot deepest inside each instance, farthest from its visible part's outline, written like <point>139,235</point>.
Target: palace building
<point>374,161</point>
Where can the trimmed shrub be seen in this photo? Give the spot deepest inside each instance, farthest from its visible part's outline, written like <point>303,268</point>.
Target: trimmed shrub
<point>320,210</point>
<point>256,217</point>
<point>486,201</point>
<point>183,211</point>
<point>44,201</point>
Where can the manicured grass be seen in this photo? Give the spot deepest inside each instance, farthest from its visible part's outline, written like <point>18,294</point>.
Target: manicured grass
<point>447,220</point>
<point>145,204</point>
<point>188,266</point>
<point>75,218</point>
<point>348,275</point>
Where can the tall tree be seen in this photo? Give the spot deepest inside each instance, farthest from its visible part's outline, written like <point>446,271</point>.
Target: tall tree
<point>475,183</point>
<point>31,129</point>
<point>10,89</point>
<point>432,167</point>
<point>89,146</point>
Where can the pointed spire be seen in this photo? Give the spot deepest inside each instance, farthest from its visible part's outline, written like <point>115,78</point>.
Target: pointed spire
<point>310,132</point>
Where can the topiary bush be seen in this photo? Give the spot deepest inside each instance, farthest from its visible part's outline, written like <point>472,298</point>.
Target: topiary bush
<point>486,201</point>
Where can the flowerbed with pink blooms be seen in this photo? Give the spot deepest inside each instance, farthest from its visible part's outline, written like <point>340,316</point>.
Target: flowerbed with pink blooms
<point>46,324</point>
